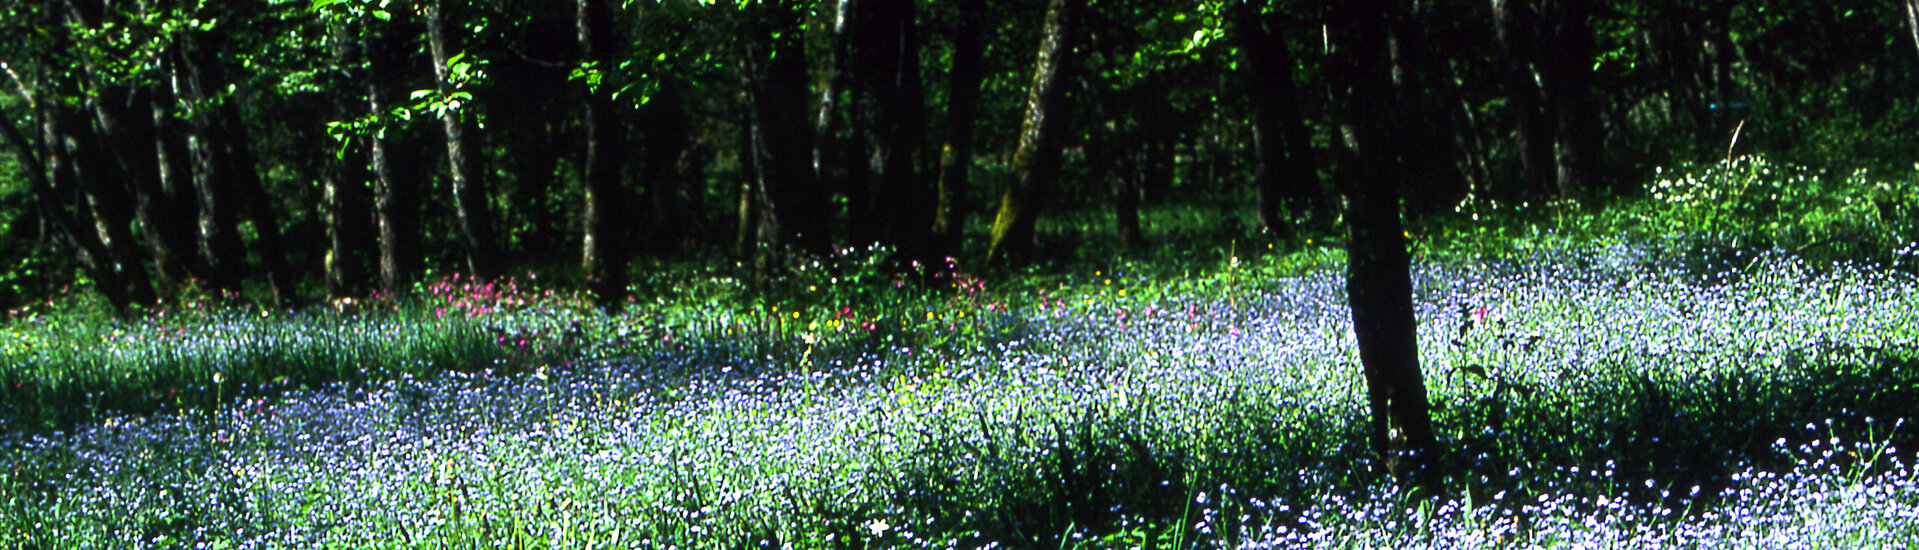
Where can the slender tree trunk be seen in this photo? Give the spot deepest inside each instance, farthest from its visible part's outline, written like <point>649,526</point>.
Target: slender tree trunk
<point>1517,28</point>
<point>70,232</point>
<point>108,199</point>
<point>222,254</point>
<point>962,114</point>
<point>830,152</point>
<point>1378,282</point>
<point>892,111</point>
<point>1285,174</point>
<point>746,235</point>
<point>1577,133</point>
<point>1912,20</point>
<point>605,250</point>
<point>225,174</point>
<point>669,191</point>
<point>346,204</point>
<point>347,209</point>
<point>467,180</point>
<point>177,198</point>
<point>396,187</point>
<point>124,116</point>
<point>792,209</point>
<point>1036,164</point>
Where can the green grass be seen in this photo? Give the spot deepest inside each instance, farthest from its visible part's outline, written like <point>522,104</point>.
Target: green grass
<point>1603,381</point>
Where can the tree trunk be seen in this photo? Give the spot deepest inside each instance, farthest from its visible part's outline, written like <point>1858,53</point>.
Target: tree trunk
<point>962,114</point>
<point>1912,20</point>
<point>892,110</point>
<point>747,228</point>
<point>108,201</point>
<point>1285,175</point>
<point>124,116</point>
<point>1576,126</point>
<point>1518,29</point>
<point>466,179</point>
<point>605,250</point>
<point>1036,164</point>
<point>177,197</point>
<point>831,154</point>
<point>225,173</point>
<point>222,254</point>
<point>669,190</point>
<point>396,188</point>
<point>1378,282</point>
<point>792,210</point>
<point>67,229</point>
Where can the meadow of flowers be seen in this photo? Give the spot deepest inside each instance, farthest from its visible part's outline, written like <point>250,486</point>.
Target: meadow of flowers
<point>1591,400</point>
<point>1619,393</point>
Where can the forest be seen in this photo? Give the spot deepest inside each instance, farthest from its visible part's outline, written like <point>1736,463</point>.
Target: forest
<point>958,274</point>
<point>300,151</point>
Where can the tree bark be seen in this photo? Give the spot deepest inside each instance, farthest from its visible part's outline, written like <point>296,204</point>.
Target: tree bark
<point>605,251</point>
<point>962,115</point>
<point>1912,20</point>
<point>224,172</point>
<point>892,112</point>
<point>790,205</point>
<point>466,178</point>
<point>831,155</point>
<point>1285,174</point>
<point>177,196</point>
<point>1518,29</point>
<point>396,187</point>
<point>67,229</point>
<point>346,203</point>
<point>1577,132</point>
<point>1378,282</point>
<point>1036,164</point>
<point>124,116</point>
<point>107,199</point>
<point>670,191</point>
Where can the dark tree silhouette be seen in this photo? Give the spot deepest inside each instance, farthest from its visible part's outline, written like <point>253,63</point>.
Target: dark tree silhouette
<point>1378,282</point>
<point>604,256</point>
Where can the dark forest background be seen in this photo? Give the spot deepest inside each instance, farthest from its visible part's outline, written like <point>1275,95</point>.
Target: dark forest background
<point>297,151</point>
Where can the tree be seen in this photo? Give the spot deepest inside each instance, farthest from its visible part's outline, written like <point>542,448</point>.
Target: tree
<point>962,114</point>
<point>1378,282</point>
<point>787,200</point>
<point>466,179</point>
<point>395,166</point>
<point>225,169</point>
<point>346,201</point>
<point>1036,163</point>
<point>84,245</point>
<point>890,102</point>
<point>1912,20</point>
<point>605,250</point>
<point>1284,171</point>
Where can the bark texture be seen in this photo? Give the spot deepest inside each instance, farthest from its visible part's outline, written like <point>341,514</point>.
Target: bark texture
<point>1378,281</point>
<point>605,251</point>
<point>1036,164</point>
